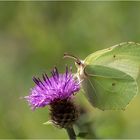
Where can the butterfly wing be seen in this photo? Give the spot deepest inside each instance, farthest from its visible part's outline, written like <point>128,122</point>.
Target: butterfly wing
<point>124,57</point>
<point>108,88</point>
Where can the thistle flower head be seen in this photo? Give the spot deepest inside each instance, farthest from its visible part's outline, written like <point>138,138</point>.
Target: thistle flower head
<point>51,89</point>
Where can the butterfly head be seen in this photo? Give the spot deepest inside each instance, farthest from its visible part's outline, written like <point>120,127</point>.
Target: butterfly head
<point>79,64</point>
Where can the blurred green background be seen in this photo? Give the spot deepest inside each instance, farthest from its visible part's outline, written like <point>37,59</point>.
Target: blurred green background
<point>34,37</point>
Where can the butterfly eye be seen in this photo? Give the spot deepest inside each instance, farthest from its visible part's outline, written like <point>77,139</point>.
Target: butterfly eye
<point>78,63</point>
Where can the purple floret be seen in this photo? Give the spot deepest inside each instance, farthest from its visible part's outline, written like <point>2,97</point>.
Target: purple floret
<point>51,89</point>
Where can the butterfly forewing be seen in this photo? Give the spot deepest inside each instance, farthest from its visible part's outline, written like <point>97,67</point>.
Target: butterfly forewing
<point>124,57</point>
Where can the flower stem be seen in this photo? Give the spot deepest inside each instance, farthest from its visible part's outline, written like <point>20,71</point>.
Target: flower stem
<point>71,133</point>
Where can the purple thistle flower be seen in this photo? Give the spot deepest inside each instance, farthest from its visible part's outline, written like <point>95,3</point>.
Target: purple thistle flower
<point>51,89</point>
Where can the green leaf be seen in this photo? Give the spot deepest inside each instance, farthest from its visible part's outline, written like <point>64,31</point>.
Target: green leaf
<point>82,134</point>
<point>50,122</point>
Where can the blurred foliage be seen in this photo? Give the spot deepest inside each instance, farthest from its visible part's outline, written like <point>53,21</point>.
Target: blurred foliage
<point>33,38</point>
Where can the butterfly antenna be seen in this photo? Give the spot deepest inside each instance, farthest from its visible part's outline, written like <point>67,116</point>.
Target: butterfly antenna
<point>77,60</point>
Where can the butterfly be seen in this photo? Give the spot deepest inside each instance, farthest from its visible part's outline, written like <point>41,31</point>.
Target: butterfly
<point>109,76</point>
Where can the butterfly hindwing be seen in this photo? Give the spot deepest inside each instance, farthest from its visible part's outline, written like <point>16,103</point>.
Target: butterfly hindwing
<point>108,88</point>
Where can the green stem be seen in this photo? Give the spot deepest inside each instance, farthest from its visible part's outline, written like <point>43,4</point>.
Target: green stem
<point>71,133</point>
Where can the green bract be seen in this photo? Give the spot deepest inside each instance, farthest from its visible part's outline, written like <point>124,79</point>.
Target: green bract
<point>109,76</point>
